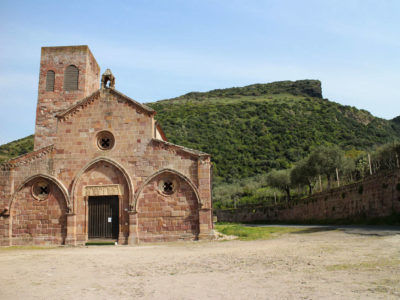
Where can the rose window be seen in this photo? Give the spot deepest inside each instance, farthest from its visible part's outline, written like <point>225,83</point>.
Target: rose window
<point>105,140</point>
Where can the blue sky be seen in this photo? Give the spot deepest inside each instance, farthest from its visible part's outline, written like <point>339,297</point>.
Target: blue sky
<point>162,49</point>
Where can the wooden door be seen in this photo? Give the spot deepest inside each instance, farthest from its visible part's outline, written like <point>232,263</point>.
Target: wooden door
<point>103,217</point>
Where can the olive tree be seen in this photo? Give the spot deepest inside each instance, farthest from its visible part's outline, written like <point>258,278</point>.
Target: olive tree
<point>386,157</point>
<point>327,160</point>
<point>280,180</point>
<point>304,172</point>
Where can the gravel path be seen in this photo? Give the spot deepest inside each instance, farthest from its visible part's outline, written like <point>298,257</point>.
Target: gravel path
<point>306,265</point>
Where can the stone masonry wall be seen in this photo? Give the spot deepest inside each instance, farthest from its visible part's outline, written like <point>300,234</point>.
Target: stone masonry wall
<point>134,148</point>
<point>167,217</point>
<point>135,151</point>
<point>378,196</point>
<point>39,222</point>
<point>49,103</point>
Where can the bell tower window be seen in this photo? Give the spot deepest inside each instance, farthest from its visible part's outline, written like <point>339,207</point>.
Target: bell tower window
<point>71,77</point>
<point>50,77</point>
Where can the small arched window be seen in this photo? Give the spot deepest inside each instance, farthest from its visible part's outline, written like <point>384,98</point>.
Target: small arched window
<point>71,77</point>
<point>50,76</point>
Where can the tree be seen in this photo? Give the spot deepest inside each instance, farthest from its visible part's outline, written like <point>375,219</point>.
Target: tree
<point>304,173</point>
<point>327,160</point>
<point>348,167</point>
<point>280,180</point>
<point>386,157</point>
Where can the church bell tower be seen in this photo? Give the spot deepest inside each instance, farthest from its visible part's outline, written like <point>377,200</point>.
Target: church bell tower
<point>67,75</point>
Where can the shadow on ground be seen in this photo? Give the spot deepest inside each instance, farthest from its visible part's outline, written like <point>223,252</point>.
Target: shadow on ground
<point>313,230</point>
<point>369,230</point>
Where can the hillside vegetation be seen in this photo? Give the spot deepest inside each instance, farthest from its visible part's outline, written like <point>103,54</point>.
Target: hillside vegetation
<point>16,148</point>
<point>253,129</point>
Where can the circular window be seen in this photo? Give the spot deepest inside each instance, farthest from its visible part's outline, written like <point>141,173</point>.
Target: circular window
<point>41,190</point>
<point>167,186</point>
<point>105,140</point>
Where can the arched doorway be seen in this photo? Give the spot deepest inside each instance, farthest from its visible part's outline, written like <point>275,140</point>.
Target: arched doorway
<point>101,194</point>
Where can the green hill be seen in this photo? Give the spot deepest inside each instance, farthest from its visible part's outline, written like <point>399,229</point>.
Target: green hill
<point>396,123</point>
<point>250,130</point>
<point>16,148</point>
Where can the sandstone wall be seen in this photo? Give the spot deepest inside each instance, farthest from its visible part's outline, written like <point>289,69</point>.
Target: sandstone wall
<point>57,59</point>
<point>39,222</point>
<point>167,217</point>
<point>75,161</point>
<point>377,196</point>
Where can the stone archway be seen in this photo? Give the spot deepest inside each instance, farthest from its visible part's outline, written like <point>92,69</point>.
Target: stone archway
<point>111,162</point>
<point>38,212</point>
<point>165,171</point>
<point>167,208</point>
<point>59,184</point>
<point>104,178</point>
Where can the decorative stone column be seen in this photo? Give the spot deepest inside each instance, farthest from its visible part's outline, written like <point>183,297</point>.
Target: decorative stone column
<point>204,181</point>
<point>71,230</point>
<point>132,238</point>
<point>204,187</point>
<point>205,224</point>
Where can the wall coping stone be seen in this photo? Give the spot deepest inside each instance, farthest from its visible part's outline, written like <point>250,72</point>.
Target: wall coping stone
<point>27,157</point>
<point>188,150</point>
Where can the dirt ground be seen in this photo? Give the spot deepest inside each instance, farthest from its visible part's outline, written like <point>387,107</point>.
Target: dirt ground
<point>304,265</point>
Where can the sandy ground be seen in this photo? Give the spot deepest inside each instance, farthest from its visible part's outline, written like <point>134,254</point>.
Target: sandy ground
<point>306,265</point>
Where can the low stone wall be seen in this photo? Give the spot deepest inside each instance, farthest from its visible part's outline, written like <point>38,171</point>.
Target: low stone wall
<point>377,196</point>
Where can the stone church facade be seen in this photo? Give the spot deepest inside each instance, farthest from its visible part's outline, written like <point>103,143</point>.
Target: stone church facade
<point>101,168</point>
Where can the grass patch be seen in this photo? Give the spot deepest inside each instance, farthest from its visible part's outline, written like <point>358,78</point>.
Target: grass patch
<point>366,265</point>
<point>100,243</point>
<point>393,219</point>
<point>246,233</point>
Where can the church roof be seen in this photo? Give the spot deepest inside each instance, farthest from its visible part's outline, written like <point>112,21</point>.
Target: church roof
<point>95,95</point>
<point>140,105</point>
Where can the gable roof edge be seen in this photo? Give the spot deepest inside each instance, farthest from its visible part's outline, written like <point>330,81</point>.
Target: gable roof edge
<point>134,102</point>
<point>26,158</point>
<point>80,104</point>
<point>87,100</point>
<point>161,131</point>
<point>187,150</point>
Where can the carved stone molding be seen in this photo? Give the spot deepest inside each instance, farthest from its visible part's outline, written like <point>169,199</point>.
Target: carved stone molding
<point>103,190</point>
